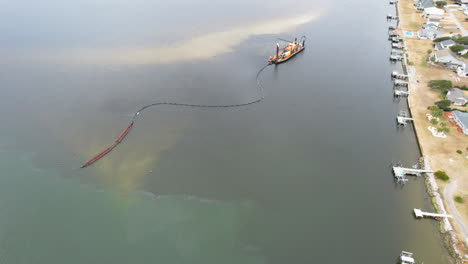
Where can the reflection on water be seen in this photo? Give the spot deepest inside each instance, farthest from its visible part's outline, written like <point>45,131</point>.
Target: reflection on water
<point>79,224</point>
<point>198,47</point>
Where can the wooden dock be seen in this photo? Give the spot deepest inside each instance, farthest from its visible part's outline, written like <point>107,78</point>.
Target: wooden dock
<point>397,46</point>
<point>401,171</point>
<point>398,75</point>
<point>400,83</point>
<point>420,214</point>
<point>398,93</point>
<point>396,58</point>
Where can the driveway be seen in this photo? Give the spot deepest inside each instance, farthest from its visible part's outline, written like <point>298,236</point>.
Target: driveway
<point>448,195</point>
<point>463,31</point>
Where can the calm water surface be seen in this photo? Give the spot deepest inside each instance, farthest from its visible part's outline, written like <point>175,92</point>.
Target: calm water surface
<point>301,177</point>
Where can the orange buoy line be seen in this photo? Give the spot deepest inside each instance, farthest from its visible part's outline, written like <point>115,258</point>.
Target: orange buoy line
<point>109,149</point>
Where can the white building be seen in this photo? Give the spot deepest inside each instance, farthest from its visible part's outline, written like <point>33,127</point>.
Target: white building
<point>433,11</point>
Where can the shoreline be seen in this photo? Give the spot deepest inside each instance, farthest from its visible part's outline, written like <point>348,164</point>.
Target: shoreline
<point>450,235</point>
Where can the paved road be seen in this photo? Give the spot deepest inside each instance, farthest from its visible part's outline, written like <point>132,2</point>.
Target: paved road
<point>448,195</point>
<point>463,31</point>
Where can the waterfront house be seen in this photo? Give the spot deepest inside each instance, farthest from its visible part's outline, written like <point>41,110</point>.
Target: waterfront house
<point>446,58</point>
<point>463,70</point>
<point>457,97</point>
<point>433,11</point>
<point>429,25</point>
<point>429,33</point>
<point>462,2</point>
<point>422,4</point>
<point>434,21</point>
<point>461,119</point>
<point>445,44</point>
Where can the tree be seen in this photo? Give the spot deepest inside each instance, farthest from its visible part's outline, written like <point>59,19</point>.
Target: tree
<point>436,111</point>
<point>457,48</point>
<point>440,4</point>
<point>441,39</point>
<point>434,121</point>
<point>462,41</point>
<point>443,104</point>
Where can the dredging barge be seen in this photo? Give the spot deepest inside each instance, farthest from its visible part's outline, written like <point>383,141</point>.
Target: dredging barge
<point>289,51</point>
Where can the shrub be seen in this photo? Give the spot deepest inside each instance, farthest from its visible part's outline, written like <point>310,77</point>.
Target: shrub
<point>443,129</point>
<point>441,39</point>
<point>459,151</point>
<point>440,4</point>
<point>440,84</point>
<point>462,40</point>
<point>458,199</point>
<point>457,48</point>
<point>464,87</point>
<point>442,175</point>
<point>436,111</point>
<point>434,121</point>
<point>429,51</point>
<point>443,104</point>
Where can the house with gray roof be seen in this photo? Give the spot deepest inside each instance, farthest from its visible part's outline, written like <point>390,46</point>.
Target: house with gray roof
<point>445,44</point>
<point>461,119</point>
<point>457,97</point>
<point>462,2</point>
<point>421,4</point>
<point>429,25</point>
<point>429,33</point>
<point>447,58</point>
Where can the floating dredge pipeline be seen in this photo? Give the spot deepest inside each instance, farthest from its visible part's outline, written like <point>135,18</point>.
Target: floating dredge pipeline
<point>125,132</point>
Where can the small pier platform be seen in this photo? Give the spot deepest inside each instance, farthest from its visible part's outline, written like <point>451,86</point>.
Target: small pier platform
<point>401,171</point>
<point>400,93</point>
<point>400,83</point>
<point>398,75</point>
<point>396,39</point>
<point>393,33</point>
<point>396,58</point>
<point>397,46</point>
<point>403,121</point>
<point>406,258</point>
<point>420,214</point>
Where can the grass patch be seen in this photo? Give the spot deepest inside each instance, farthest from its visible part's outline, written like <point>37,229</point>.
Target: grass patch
<point>442,175</point>
<point>414,26</point>
<point>424,63</point>
<point>458,199</point>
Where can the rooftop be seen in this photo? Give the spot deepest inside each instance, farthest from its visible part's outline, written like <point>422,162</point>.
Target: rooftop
<point>462,117</point>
